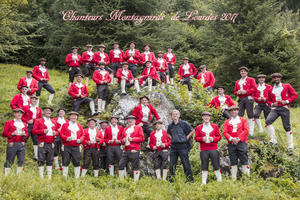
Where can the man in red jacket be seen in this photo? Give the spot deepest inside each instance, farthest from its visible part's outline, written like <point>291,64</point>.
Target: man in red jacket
<point>72,136</point>
<point>161,67</point>
<point>126,79</point>
<point>102,78</point>
<point>132,56</point>
<point>116,57</point>
<point>73,60</point>
<point>281,97</point>
<point>171,61</point>
<point>147,55</point>
<point>103,124</point>
<point>206,78</point>
<point>222,101</point>
<point>20,100</point>
<point>40,73</point>
<point>112,138</point>
<point>78,91</point>
<point>46,129</point>
<point>236,131</point>
<point>186,73</point>
<point>245,89</point>
<point>88,62</point>
<point>101,56</point>
<point>132,137</point>
<point>30,82</point>
<point>31,113</point>
<point>149,76</point>
<point>92,139</point>
<point>16,133</point>
<point>208,135</point>
<point>160,142</point>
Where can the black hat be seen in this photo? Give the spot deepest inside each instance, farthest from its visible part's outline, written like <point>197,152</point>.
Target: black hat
<point>115,43</point>
<point>158,121</point>
<point>148,61</point>
<point>221,86</point>
<point>73,113</point>
<point>206,113</point>
<point>102,63</point>
<point>131,42</point>
<point>202,66</point>
<point>89,45</point>
<point>115,116</point>
<point>101,45</point>
<point>276,75</point>
<point>159,52</point>
<point>43,59</point>
<point>90,119</point>
<point>78,75</point>
<point>60,110</point>
<point>18,110</point>
<point>245,68</point>
<point>261,76</point>
<point>130,117</point>
<point>103,121</point>
<point>28,71</point>
<point>47,107</point>
<point>147,45</point>
<point>144,97</point>
<point>124,63</point>
<point>33,97</point>
<point>24,86</point>
<point>234,107</point>
<point>169,47</point>
<point>74,48</point>
<point>185,58</point>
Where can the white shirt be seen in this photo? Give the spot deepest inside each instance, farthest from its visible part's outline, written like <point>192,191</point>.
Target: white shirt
<point>242,82</point>
<point>102,55</point>
<point>160,61</point>
<point>28,81</point>
<point>158,135</point>
<point>79,85</point>
<point>277,89</point>
<point>145,111</point>
<point>92,134</point>
<point>25,98</point>
<point>202,77</point>
<point>186,68</point>
<point>170,56</point>
<point>33,110</point>
<point>74,57</point>
<point>117,53</point>
<point>19,125</point>
<point>129,131</point>
<point>125,73</point>
<point>222,100</point>
<point>61,120</point>
<point>234,122</point>
<point>131,51</point>
<point>42,69</point>
<point>73,127</point>
<point>102,72</point>
<point>148,70</point>
<point>261,88</point>
<point>49,125</point>
<point>207,129</point>
<point>146,55</point>
<point>114,132</point>
<point>90,53</point>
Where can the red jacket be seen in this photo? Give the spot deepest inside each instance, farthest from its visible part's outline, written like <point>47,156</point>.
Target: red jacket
<point>143,59</point>
<point>160,67</point>
<point>39,127</point>
<point>215,134</point>
<point>28,114</point>
<point>114,59</point>
<point>164,140</point>
<point>9,128</point>
<point>86,139</point>
<point>33,85</point>
<point>17,102</point>
<point>153,74</point>
<point>288,93</point>
<point>119,75</point>
<point>97,77</point>
<point>58,124</point>
<point>85,58</point>
<point>108,136</point>
<point>73,63</point>
<point>38,75</point>
<point>209,79</point>
<point>137,112</point>
<point>249,86</point>
<point>216,102</point>
<point>74,90</point>
<point>65,133</point>
<point>192,71</point>
<point>135,59</point>
<point>137,138</point>
<point>97,58</point>
<point>242,131</point>
<point>171,61</point>
<point>266,92</point>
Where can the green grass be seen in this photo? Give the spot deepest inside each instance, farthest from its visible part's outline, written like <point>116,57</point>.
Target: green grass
<point>28,185</point>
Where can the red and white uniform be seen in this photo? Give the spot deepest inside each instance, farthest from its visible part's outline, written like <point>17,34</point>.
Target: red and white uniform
<point>149,73</point>
<point>143,113</point>
<point>116,56</point>
<point>42,124</point>
<point>40,72</point>
<point>124,73</point>
<point>101,57</point>
<point>19,101</point>
<point>282,92</point>
<point>31,83</point>
<point>31,113</point>
<point>147,56</point>
<point>170,58</point>
<point>262,91</point>
<point>187,70</point>
<point>88,57</point>
<point>223,102</point>
<point>101,75</point>
<point>132,59</point>
<point>136,133</point>
<point>248,84</point>
<point>160,65</point>
<point>60,121</point>
<point>236,127</point>
<point>78,88</point>
<point>206,131</point>
<point>73,60</point>
<point>73,130</point>
<point>91,135</point>
<point>113,133</point>
<point>12,126</point>
<point>207,79</point>
<point>159,137</point>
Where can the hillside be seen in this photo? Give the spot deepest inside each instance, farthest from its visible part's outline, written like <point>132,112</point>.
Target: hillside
<point>267,162</point>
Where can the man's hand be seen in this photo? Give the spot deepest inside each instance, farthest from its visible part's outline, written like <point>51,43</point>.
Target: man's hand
<point>283,102</point>
<point>88,143</point>
<point>69,139</point>
<point>78,141</point>
<point>23,133</point>
<point>211,139</point>
<point>155,147</point>
<point>78,95</point>
<point>110,141</point>
<point>124,140</point>
<point>275,104</point>
<point>118,141</point>
<point>235,141</point>
<point>129,139</point>
<point>46,131</point>
<point>30,121</point>
<point>162,145</point>
<point>140,124</point>
<point>244,92</point>
<point>97,139</point>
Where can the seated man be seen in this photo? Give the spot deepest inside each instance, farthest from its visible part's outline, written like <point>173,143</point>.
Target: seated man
<point>126,79</point>
<point>30,82</point>
<point>149,76</point>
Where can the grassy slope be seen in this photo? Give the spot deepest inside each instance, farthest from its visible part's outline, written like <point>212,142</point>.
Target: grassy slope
<point>30,186</point>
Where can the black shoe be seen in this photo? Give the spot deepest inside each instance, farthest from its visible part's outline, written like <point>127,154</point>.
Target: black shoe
<point>95,114</point>
<point>124,94</point>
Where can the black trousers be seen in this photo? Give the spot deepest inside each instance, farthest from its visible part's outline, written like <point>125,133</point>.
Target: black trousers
<point>130,156</point>
<point>261,107</point>
<point>12,150</point>
<point>282,112</point>
<point>154,82</point>
<point>103,159</point>
<point>72,72</point>
<point>212,155</point>
<point>133,69</point>
<point>181,150</point>
<point>238,152</point>
<point>102,91</point>
<point>57,146</point>
<point>161,159</point>
<point>114,153</point>
<point>147,129</point>
<point>170,70</point>
<point>115,67</point>
<point>187,81</point>
<point>162,76</point>
<point>71,152</point>
<point>79,101</point>
<point>33,137</point>
<point>246,104</point>
<point>45,154</point>
<point>89,69</point>
<point>46,85</point>
<point>226,114</point>
<point>88,155</point>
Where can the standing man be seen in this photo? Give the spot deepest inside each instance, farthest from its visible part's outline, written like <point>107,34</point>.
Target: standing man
<point>103,149</point>
<point>20,100</point>
<point>149,76</point>
<point>147,55</point>
<point>245,89</point>
<point>113,139</point>
<point>78,91</point>
<point>186,73</point>
<point>30,82</point>
<point>126,79</point>
<point>171,61</point>
<point>40,73</point>
<point>116,57</point>
<point>132,56</point>
<point>281,97</point>
<point>236,131</point>
<point>73,60</point>
<point>206,78</point>
<point>88,62</point>
<point>180,133</point>
<point>132,138</point>
<point>101,56</point>
<point>16,133</point>
<point>46,129</point>
<point>161,67</point>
